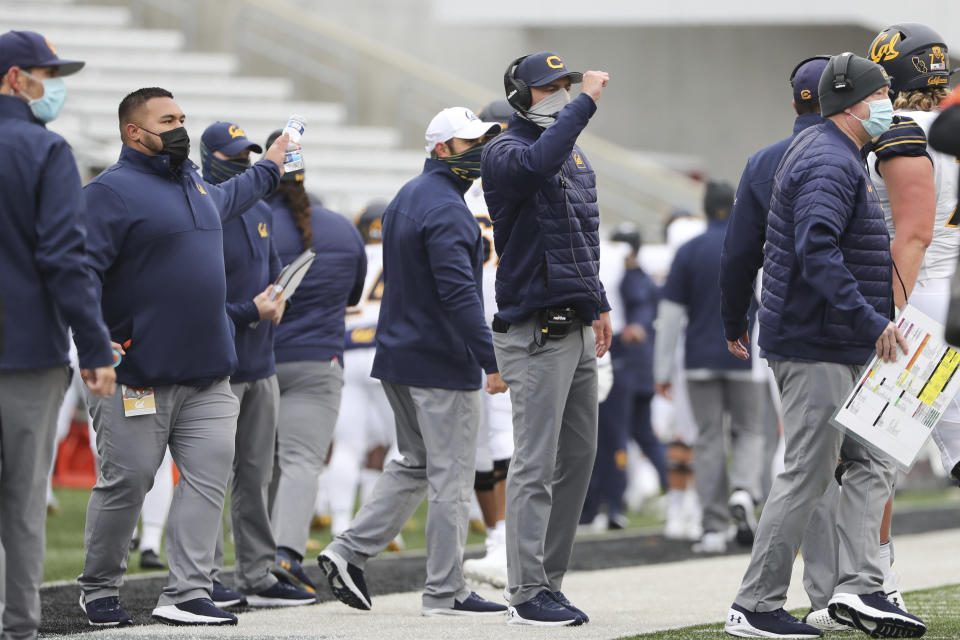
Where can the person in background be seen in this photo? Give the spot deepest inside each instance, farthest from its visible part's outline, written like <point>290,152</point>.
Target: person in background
<point>308,348</point>
<point>626,411</point>
<point>719,384</point>
<point>252,265</point>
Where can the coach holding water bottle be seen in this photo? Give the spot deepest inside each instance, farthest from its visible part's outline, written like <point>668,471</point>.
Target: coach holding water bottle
<point>155,240</point>
<point>45,285</point>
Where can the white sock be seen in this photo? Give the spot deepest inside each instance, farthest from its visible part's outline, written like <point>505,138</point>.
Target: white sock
<point>150,537</point>
<point>675,498</point>
<point>886,561</point>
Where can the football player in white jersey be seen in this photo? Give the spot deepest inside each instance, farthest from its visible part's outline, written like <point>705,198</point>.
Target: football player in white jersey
<point>364,431</point>
<point>917,187</point>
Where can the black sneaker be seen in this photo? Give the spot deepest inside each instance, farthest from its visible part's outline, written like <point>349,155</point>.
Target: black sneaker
<point>223,596</point>
<point>199,611</point>
<point>346,580</point>
<point>288,569</point>
<point>742,510</point>
<point>105,612</point>
<point>562,599</point>
<point>150,560</point>
<point>472,605</point>
<point>767,624</point>
<point>281,594</point>
<point>876,616</point>
<point>542,610</point>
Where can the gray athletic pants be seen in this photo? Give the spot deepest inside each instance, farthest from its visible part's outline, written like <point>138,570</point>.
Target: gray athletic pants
<point>553,389</point>
<point>249,483</point>
<point>810,393</point>
<point>309,404</point>
<point>819,549</point>
<point>437,439</point>
<point>199,425</point>
<point>712,400</point>
<point>29,402</point>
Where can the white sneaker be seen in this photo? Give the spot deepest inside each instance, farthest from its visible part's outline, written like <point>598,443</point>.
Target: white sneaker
<point>711,542</point>
<point>742,510</point>
<point>490,569</point>
<point>821,620</point>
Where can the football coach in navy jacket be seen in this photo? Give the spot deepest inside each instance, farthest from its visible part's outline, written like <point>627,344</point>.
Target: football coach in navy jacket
<point>432,342</point>
<point>825,310</point>
<point>156,242</point>
<point>45,285</point>
<point>541,193</point>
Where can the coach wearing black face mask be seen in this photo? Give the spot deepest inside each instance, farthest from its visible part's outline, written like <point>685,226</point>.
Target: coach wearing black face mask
<point>154,238</point>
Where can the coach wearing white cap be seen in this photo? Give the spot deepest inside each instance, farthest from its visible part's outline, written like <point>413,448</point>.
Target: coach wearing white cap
<point>432,342</point>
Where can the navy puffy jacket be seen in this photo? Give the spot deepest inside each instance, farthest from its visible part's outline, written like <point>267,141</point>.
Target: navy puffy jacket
<point>827,292</point>
<point>542,196</point>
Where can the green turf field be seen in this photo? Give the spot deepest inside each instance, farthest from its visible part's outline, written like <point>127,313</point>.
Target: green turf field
<point>937,607</point>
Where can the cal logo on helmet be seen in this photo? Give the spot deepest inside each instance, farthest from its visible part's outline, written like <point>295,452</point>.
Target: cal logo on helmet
<point>884,48</point>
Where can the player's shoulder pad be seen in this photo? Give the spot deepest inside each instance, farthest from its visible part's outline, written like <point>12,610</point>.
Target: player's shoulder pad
<point>903,138</point>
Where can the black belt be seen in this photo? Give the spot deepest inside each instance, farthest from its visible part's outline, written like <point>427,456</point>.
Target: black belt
<point>552,322</point>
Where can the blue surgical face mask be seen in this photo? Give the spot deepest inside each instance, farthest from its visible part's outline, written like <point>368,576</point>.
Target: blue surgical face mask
<point>47,107</point>
<point>881,117</point>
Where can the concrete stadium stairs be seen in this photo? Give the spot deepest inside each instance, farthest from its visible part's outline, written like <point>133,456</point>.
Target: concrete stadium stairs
<point>347,166</point>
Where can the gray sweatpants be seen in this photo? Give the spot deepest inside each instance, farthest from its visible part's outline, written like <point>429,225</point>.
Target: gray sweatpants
<point>199,426</point>
<point>810,392</point>
<point>437,439</point>
<point>249,483</point>
<point>309,404</point>
<point>553,389</point>
<point>29,402</point>
<point>712,400</point>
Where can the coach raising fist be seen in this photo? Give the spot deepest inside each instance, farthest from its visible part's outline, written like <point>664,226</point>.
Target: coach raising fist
<point>551,325</point>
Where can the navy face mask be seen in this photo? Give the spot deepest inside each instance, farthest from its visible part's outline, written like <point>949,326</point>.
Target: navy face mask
<point>465,165</point>
<point>217,170</point>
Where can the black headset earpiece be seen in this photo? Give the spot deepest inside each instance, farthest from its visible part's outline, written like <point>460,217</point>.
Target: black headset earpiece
<point>518,93</point>
<point>840,80</point>
<point>793,73</point>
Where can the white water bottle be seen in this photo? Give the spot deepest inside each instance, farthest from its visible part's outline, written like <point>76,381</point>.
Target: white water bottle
<point>293,158</point>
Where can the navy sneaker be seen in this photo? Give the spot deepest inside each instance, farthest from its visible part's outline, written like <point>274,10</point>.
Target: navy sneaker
<point>199,611</point>
<point>876,616</point>
<point>223,596</point>
<point>767,624</point>
<point>288,569</point>
<point>105,612</point>
<point>472,605</point>
<point>562,599</point>
<point>281,594</point>
<point>543,610</point>
<point>346,580</point>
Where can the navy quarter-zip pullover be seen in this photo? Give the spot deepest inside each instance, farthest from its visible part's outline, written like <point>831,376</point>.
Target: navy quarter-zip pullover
<point>155,239</point>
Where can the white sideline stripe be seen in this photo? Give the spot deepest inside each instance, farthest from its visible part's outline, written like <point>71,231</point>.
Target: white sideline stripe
<point>620,602</point>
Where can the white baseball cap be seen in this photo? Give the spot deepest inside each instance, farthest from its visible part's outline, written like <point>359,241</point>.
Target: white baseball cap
<point>457,122</point>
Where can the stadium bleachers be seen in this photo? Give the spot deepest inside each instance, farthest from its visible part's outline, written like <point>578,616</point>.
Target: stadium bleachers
<point>347,166</point>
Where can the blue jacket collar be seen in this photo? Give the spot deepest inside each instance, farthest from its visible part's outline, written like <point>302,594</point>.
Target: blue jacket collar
<point>14,107</point>
<point>806,120</point>
<point>158,164</point>
<point>435,166</point>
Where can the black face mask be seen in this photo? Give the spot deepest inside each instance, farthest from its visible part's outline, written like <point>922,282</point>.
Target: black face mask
<point>176,144</point>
